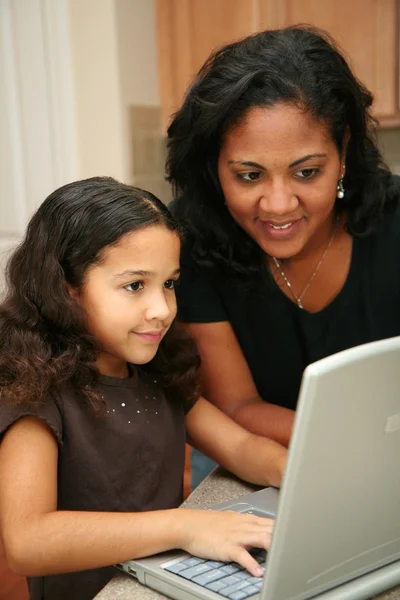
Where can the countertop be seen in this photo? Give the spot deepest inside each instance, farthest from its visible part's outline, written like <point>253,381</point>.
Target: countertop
<point>218,487</point>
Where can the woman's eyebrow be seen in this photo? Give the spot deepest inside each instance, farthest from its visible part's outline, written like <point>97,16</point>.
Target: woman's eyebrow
<point>245,163</point>
<point>249,163</point>
<point>304,158</point>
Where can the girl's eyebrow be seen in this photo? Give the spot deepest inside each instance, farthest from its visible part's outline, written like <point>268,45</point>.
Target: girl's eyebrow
<point>129,273</point>
<point>249,163</point>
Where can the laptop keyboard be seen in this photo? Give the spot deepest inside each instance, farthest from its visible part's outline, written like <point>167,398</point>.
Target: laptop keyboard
<point>230,580</point>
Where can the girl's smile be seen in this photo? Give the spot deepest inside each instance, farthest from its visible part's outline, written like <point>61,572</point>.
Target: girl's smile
<point>151,337</point>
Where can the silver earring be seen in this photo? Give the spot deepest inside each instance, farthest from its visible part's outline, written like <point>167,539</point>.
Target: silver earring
<point>340,189</point>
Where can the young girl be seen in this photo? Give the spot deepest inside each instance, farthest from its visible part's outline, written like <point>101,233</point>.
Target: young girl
<point>97,395</point>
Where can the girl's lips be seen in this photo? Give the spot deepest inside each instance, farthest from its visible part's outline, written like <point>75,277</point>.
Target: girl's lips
<point>150,338</point>
<point>274,233</point>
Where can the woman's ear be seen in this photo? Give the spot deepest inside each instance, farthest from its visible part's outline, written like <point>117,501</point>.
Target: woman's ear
<point>345,142</point>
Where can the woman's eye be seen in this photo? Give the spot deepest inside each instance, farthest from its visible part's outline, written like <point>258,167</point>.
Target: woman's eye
<point>251,176</point>
<point>307,173</point>
<point>171,284</point>
<point>134,287</point>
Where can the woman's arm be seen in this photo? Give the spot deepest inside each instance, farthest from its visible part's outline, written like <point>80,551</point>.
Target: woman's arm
<point>227,382</point>
<point>39,540</point>
<point>253,458</point>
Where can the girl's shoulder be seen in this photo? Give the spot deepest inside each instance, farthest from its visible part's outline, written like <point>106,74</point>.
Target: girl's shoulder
<point>49,411</point>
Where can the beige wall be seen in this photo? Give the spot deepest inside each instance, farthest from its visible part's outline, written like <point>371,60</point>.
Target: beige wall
<point>97,88</point>
<point>389,142</point>
<point>114,67</point>
<point>137,52</point>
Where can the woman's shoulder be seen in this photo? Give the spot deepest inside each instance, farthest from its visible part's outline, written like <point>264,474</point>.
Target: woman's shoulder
<point>393,191</point>
<point>382,247</point>
<point>391,215</point>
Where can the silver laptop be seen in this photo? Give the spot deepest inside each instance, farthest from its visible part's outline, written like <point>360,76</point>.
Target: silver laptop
<point>337,531</point>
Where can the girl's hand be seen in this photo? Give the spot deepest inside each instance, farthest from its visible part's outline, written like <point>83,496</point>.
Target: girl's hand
<point>226,536</point>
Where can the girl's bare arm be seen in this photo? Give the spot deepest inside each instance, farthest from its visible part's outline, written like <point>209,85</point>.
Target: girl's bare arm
<point>39,540</point>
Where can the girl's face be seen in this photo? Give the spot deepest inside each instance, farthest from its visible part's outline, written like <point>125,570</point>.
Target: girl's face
<point>129,297</point>
<point>279,169</point>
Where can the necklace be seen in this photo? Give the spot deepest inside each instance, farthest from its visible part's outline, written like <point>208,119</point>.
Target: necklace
<point>278,265</point>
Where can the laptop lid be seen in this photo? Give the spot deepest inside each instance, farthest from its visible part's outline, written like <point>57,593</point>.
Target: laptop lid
<point>338,515</point>
<point>338,519</point>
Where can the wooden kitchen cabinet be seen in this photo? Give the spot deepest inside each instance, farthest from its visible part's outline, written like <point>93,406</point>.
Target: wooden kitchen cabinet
<point>367,31</point>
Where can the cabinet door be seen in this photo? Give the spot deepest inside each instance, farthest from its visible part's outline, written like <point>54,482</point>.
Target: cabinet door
<point>367,31</point>
<point>187,32</point>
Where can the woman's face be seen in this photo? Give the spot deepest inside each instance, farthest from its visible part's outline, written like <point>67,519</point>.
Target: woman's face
<point>279,169</point>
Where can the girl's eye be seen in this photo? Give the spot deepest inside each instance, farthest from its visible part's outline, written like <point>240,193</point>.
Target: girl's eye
<point>307,173</point>
<point>171,284</point>
<point>134,287</point>
<point>250,176</point>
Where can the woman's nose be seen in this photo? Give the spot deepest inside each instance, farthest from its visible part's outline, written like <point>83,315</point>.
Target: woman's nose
<point>278,198</point>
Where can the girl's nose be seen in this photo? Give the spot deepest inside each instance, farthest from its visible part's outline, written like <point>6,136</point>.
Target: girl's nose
<point>159,308</point>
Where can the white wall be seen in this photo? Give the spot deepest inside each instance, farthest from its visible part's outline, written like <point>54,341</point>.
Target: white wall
<point>69,69</point>
<point>37,143</point>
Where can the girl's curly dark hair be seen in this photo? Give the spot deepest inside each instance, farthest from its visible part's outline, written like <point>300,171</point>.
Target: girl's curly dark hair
<point>44,340</point>
<point>298,65</point>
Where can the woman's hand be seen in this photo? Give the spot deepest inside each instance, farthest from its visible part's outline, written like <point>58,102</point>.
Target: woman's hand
<point>226,536</point>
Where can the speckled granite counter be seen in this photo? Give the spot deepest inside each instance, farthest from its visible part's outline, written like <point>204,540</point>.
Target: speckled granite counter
<point>217,487</point>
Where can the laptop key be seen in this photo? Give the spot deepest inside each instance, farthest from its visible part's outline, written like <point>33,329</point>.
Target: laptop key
<point>231,579</point>
<point>230,569</point>
<point>216,586</point>
<point>208,577</point>
<point>242,575</point>
<point>252,589</point>
<point>194,571</point>
<point>192,561</point>
<point>176,568</point>
<point>254,580</point>
<point>238,596</point>
<point>260,558</point>
<point>216,564</point>
<point>233,588</point>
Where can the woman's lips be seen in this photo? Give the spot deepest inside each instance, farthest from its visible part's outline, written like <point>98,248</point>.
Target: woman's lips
<point>280,231</point>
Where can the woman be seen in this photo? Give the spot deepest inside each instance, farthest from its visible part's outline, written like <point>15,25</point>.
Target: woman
<point>293,220</point>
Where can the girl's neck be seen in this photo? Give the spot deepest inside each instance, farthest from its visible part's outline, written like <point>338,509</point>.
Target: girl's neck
<point>112,366</point>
